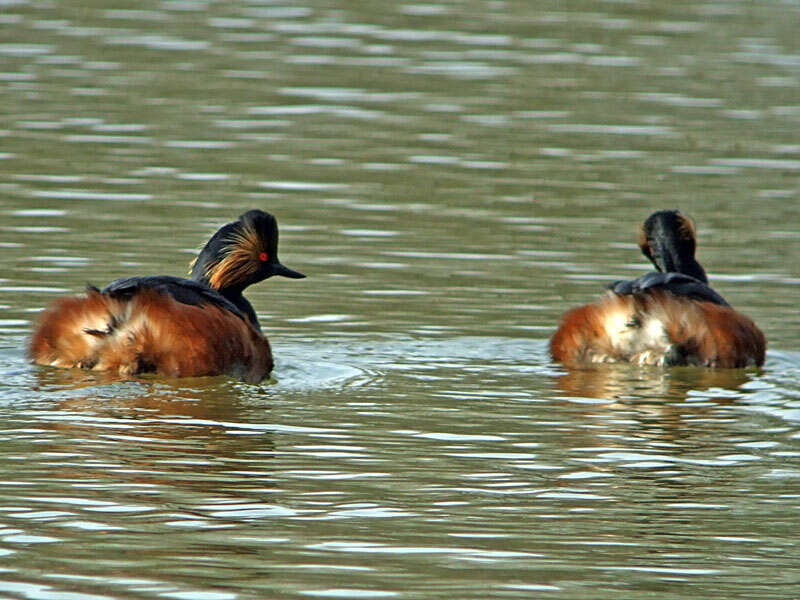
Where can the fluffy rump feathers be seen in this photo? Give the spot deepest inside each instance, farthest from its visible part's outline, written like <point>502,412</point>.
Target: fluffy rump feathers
<point>658,328</point>
<point>149,332</point>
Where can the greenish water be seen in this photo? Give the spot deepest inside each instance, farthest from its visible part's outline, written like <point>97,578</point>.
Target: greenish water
<point>451,176</point>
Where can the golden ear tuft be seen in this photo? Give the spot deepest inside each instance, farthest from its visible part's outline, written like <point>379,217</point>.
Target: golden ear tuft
<point>643,245</point>
<point>686,228</point>
<point>239,259</point>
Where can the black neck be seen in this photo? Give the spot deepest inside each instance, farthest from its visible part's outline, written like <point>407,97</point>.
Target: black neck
<point>235,296</point>
<point>234,293</point>
<point>678,263</point>
<point>670,255</point>
<point>692,268</point>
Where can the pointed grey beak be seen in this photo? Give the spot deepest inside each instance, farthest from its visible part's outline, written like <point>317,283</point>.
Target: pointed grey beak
<point>280,269</point>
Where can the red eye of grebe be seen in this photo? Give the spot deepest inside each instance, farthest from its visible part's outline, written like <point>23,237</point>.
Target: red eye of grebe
<point>263,257</point>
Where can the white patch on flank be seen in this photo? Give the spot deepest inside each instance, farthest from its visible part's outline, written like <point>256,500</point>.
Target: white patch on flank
<point>639,338</point>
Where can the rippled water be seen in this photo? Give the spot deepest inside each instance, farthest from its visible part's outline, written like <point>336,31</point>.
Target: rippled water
<point>451,176</point>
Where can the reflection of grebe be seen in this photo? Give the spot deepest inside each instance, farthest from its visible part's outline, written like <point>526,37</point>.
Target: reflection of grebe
<point>172,326</point>
<point>633,385</point>
<point>669,317</point>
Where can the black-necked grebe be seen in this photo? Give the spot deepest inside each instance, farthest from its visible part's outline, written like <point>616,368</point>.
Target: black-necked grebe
<point>669,317</point>
<point>168,325</point>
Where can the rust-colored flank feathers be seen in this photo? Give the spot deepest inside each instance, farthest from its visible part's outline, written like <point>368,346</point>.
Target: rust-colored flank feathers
<point>151,332</point>
<point>171,326</point>
<point>667,318</point>
<point>659,329</point>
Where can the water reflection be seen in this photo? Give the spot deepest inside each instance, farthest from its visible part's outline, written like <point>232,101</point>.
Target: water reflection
<point>629,384</point>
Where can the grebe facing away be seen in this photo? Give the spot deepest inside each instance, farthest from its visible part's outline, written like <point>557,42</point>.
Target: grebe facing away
<point>669,317</point>
<point>168,325</point>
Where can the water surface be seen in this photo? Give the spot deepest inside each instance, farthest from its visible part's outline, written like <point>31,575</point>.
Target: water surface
<point>451,176</point>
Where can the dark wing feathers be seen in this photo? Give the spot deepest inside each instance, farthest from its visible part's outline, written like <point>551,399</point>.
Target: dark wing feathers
<point>184,291</point>
<point>675,283</point>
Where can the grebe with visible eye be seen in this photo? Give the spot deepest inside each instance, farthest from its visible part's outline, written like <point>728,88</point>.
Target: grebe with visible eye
<point>669,317</point>
<point>168,325</point>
